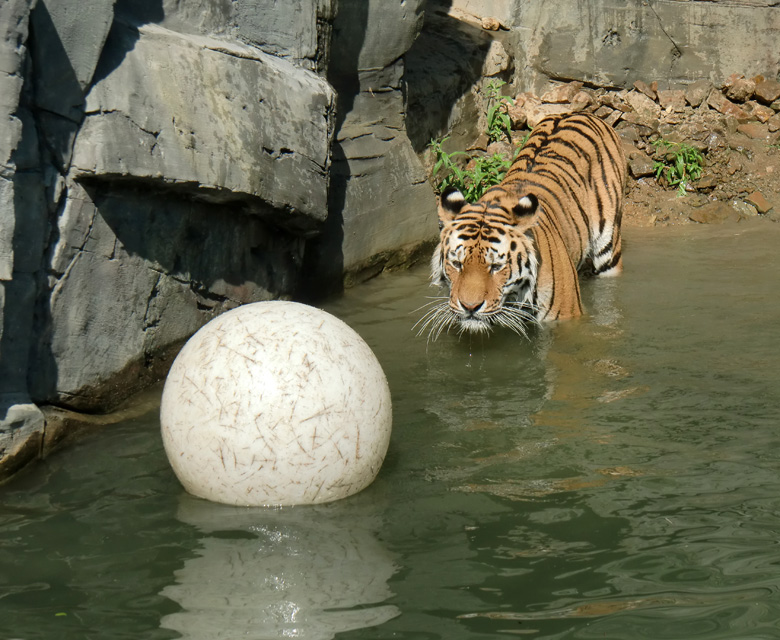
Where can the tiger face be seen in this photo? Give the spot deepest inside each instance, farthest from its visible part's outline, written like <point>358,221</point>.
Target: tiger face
<point>486,258</point>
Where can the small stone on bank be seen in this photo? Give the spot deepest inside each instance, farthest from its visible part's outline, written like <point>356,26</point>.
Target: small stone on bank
<point>714,213</point>
<point>758,200</point>
<point>753,130</point>
<point>767,91</point>
<point>640,165</point>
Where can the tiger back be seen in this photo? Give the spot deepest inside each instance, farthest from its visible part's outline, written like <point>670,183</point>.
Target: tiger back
<point>515,255</point>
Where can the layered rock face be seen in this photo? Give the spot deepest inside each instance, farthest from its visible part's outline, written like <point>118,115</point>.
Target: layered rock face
<point>612,44</point>
<point>533,44</point>
<point>165,161</point>
<point>380,199</point>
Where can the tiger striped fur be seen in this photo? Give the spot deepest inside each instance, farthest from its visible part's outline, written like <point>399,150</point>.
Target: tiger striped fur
<point>514,256</point>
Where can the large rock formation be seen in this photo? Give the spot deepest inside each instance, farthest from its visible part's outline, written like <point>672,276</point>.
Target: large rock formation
<point>380,199</point>
<point>612,44</point>
<point>21,242</point>
<point>165,161</point>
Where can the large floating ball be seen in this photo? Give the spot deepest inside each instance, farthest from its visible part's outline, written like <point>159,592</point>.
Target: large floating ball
<point>276,403</point>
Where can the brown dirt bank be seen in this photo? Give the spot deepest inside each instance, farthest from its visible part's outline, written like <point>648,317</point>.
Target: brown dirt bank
<point>734,126</point>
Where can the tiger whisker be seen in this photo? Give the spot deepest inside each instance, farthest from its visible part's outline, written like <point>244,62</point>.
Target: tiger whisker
<point>435,319</point>
<point>433,300</point>
<point>428,316</point>
<point>439,318</point>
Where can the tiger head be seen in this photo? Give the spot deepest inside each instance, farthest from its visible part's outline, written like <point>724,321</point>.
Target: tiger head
<point>487,259</point>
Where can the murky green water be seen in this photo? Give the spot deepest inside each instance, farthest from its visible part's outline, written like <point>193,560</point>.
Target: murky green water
<point>616,477</point>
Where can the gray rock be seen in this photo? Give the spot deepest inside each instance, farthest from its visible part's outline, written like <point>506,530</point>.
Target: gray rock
<point>496,61</point>
<point>21,423</point>
<point>68,40</point>
<point>21,434</point>
<point>380,197</point>
<point>185,16</point>
<point>297,30</point>
<point>8,223</point>
<point>221,119</point>
<point>373,34</point>
<point>640,165</point>
<point>133,276</point>
<point>697,92</point>
<point>609,45</point>
<point>441,70</point>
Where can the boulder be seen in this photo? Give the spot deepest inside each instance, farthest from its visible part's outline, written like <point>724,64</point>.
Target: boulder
<point>297,30</point>
<point>697,92</point>
<point>740,89</point>
<point>714,213</point>
<point>723,105</point>
<point>612,44</point>
<point>673,99</point>
<point>760,112</point>
<point>380,198</point>
<point>643,106</point>
<point>538,113</point>
<point>562,93</point>
<point>650,91</point>
<point>168,160</point>
<point>759,201</point>
<point>21,245</point>
<point>640,165</point>
<point>133,276</point>
<point>767,91</point>
<point>67,43</point>
<point>496,60</point>
<point>220,120</point>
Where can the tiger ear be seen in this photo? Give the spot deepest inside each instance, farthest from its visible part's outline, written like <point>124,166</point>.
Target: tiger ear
<point>451,202</point>
<point>526,206</point>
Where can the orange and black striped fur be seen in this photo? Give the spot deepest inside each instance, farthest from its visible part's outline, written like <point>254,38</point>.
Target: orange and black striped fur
<point>514,255</point>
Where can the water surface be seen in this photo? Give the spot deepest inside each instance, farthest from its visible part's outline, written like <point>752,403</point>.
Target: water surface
<point>613,477</point>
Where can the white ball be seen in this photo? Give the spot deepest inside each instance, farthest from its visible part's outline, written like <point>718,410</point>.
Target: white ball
<point>276,403</point>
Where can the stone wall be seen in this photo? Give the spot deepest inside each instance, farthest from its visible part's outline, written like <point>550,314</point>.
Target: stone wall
<point>536,44</point>
<point>612,43</point>
<point>167,160</point>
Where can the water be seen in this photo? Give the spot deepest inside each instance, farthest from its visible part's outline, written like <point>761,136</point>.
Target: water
<point>615,477</point>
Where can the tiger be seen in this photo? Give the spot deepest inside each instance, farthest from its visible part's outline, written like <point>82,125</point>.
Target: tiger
<point>514,257</point>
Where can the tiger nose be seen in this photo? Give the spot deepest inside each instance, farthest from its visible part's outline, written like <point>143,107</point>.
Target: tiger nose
<point>471,307</point>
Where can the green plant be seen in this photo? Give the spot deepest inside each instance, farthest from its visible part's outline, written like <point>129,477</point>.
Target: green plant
<point>485,171</point>
<point>680,164</point>
<point>499,124</point>
<point>473,176</point>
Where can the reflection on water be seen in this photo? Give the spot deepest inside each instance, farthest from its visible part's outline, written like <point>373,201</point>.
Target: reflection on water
<point>612,477</point>
<point>279,573</point>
